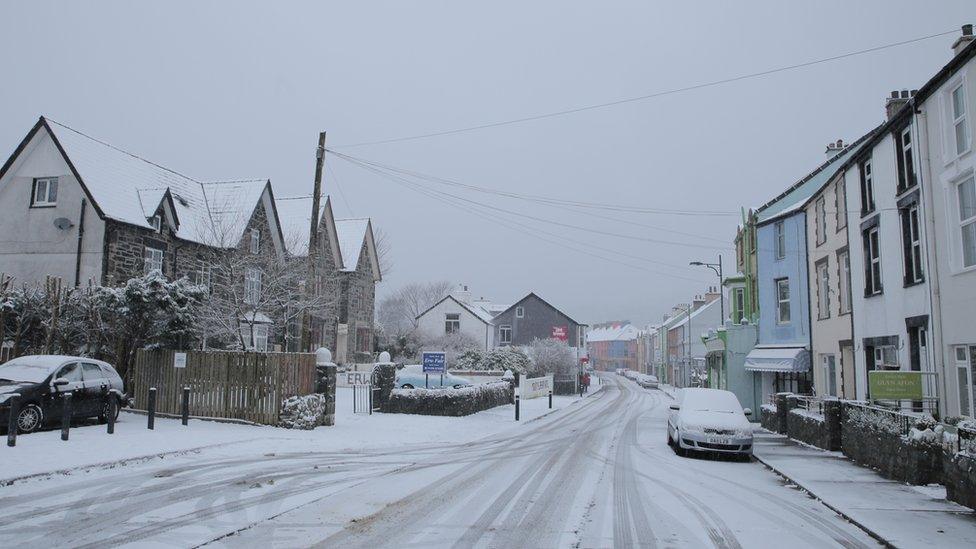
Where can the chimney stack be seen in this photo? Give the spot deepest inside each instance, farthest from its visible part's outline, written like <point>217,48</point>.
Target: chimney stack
<point>697,303</point>
<point>462,294</point>
<point>964,40</point>
<point>896,101</point>
<point>834,148</point>
<point>712,294</point>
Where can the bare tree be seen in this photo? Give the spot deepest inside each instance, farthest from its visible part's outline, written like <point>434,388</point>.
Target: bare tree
<point>384,250</point>
<point>397,313</point>
<point>254,286</point>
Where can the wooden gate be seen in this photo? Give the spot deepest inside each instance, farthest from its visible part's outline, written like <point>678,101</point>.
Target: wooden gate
<point>225,384</point>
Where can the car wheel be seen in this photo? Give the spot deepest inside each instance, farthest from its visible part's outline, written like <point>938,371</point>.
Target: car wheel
<point>406,386</point>
<point>30,418</point>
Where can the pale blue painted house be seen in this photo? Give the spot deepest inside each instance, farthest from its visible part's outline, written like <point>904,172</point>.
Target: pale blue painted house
<point>781,359</point>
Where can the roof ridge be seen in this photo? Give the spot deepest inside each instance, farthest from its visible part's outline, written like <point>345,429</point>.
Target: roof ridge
<point>261,180</point>
<point>123,151</point>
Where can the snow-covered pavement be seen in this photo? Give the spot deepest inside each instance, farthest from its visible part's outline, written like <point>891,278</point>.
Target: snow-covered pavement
<point>595,474</point>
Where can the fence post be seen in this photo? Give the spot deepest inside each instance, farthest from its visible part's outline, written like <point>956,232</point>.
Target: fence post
<point>370,386</point>
<point>186,405</point>
<point>550,399</point>
<point>12,420</point>
<point>517,391</point>
<point>65,416</point>
<point>151,405</point>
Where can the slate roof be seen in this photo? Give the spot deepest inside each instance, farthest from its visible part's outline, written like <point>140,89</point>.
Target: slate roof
<point>351,234</point>
<point>130,189</point>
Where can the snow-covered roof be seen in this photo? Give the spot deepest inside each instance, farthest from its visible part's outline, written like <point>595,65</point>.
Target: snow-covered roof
<point>128,188</point>
<point>620,332</point>
<point>351,234</point>
<point>684,317</point>
<point>296,219</point>
<point>477,311</point>
<point>796,197</point>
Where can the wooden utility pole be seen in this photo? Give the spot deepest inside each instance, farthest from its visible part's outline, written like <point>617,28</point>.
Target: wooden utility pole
<point>310,285</point>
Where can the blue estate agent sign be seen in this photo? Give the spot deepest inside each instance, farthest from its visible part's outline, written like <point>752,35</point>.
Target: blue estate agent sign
<point>434,363</point>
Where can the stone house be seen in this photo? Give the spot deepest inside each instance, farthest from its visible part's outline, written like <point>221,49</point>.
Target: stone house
<point>82,210</point>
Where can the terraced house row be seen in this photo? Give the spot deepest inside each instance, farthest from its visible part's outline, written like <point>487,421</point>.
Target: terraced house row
<point>85,211</point>
<point>869,261</point>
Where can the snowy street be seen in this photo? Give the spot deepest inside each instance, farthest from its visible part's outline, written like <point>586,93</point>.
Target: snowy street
<point>595,474</point>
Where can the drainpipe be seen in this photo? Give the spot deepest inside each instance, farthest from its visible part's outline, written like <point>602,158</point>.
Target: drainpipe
<point>920,121</point>
<point>81,236</point>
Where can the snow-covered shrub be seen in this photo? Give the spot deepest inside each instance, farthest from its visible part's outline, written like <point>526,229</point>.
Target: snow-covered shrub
<point>472,359</point>
<point>507,358</point>
<point>302,412</point>
<point>449,401</point>
<point>550,356</point>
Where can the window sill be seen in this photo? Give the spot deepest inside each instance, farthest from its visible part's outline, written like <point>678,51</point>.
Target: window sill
<point>40,206</point>
<point>875,294</point>
<point>916,283</point>
<point>964,270</point>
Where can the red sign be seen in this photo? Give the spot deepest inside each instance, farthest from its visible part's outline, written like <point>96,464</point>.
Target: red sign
<point>585,360</point>
<point>560,332</point>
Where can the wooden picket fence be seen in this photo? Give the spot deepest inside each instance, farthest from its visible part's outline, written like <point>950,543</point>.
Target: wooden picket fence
<point>225,384</point>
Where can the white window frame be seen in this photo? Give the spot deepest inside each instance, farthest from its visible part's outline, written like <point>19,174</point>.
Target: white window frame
<point>867,181</point>
<point>844,282</point>
<point>820,219</point>
<point>829,364</point>
<point>907,160</point>
<point>963,224</point>
<point>262,334</point>
<point>823,289</point>
<point>156,222</point>
<point>886,357</point>
<point>962,355</point>
<point>780,231</point>
<point>255,244</point>
<point>915,245</point>
<point>153,259</point>
<point>781,302</point>
<point>872,281</point>
<point>958,120</point>
<point>840,200</point>
<point>502,331</point>
<point>452,325</point>
<point>252,285</point>
<point>520,312</point>
<point>47,200</point>
<point>739,307</point>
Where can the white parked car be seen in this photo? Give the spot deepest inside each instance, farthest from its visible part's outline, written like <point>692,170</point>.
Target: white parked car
<point>709,420</point>
<point>647,381</point>
<point>630,374</point>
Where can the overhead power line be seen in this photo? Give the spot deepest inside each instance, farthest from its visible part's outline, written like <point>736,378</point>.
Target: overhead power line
<point>645,97</point>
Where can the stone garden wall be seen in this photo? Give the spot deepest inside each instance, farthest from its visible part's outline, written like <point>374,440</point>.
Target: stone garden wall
<point>872,440</point>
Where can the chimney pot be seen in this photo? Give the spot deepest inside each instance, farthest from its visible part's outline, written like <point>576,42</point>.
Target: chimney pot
<point>894,94</point>
<point>964,40</point>
<point>904,94</point>
<point>967,30</point>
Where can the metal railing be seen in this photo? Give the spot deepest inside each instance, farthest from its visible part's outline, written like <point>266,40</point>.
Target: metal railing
<point>902,421</point>
<point>811,404</point>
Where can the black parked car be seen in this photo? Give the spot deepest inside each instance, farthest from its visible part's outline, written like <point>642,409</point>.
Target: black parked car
<point>41,380</point>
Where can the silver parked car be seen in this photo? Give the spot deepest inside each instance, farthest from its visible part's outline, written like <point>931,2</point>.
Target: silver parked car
<point>647,381</point>
<point>709,420</point>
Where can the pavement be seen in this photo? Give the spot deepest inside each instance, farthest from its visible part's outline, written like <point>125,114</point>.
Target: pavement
<point>898,514</point>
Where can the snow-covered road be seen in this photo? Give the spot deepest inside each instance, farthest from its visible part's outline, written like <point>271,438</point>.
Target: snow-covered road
<point>597,474</point>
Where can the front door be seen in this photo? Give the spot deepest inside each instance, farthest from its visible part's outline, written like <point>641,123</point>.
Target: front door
<point>848,388</point>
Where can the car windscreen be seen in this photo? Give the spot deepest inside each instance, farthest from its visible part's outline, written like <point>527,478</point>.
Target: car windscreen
<point>24,370</point>
<point>711,401</point>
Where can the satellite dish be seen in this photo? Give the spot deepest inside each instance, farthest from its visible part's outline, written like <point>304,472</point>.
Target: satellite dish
<point>63,223</point>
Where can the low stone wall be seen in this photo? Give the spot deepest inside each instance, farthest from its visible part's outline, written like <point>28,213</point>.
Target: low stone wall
<point>807,427</point>
<point>325,384</point>
<point>867,439</point>
<point>959,477</point>
<point>769,418</point>
<point>449,402</point>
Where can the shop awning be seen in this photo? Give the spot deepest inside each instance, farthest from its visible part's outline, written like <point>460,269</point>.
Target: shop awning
<point>778,359</point>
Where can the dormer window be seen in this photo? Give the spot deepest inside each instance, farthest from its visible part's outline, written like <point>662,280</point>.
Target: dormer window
<point>45,192</point>
<point>255,241</point>
<point>157,223</point>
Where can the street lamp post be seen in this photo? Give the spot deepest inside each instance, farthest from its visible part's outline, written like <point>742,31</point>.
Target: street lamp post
<point>717,267</point>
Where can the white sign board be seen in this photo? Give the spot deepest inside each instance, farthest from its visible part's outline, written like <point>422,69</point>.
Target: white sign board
<point>351,379</point>
<point>535,387</point>
<point>179,360</point>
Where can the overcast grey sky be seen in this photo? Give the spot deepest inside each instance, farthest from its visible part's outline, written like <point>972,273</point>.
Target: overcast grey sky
<point>221,90</point>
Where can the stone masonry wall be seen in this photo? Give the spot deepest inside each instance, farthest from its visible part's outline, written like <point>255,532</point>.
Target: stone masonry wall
<point>869,443</point>
<point>357,297</point>
<point>960,479</point>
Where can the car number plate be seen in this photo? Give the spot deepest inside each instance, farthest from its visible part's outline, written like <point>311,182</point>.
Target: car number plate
<point>718,440</point>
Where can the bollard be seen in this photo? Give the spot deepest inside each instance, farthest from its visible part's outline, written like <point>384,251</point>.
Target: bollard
<point>516,407</point>
<point>113,403</point>
<point>186,405</point>
<point>65,416</point>
<point>370,399</point>
<point>152,408</point>
<point>550,399</point>
<point>12,420</point>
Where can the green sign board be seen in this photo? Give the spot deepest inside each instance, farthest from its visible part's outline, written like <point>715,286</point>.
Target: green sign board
<point>895,385</point>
